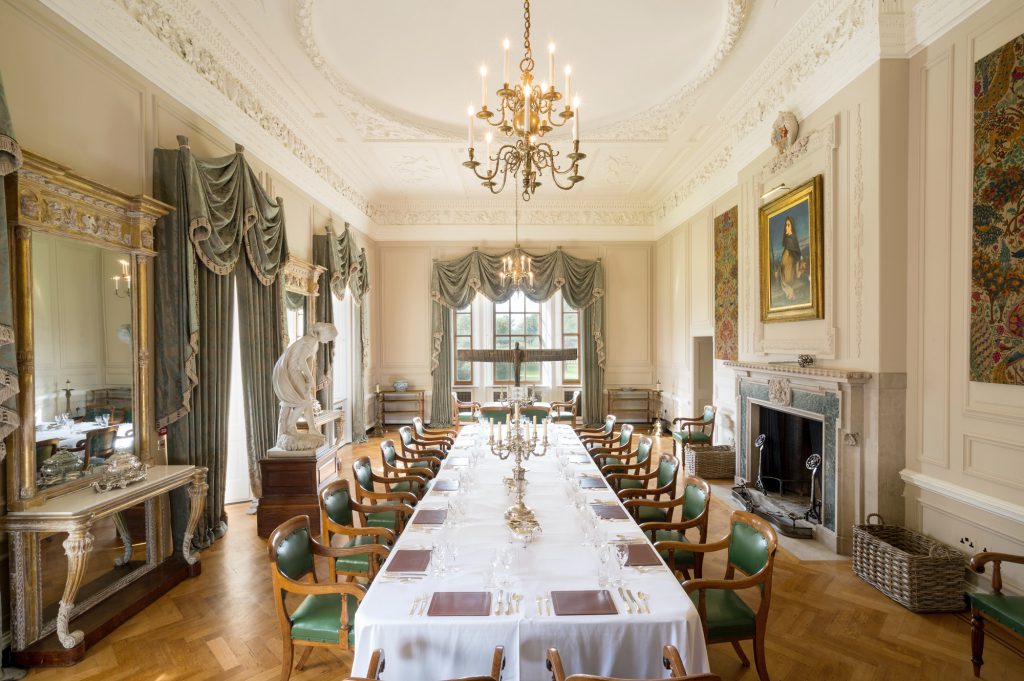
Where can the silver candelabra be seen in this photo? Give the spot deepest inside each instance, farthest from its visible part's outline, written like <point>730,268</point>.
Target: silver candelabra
<point>520,444</point>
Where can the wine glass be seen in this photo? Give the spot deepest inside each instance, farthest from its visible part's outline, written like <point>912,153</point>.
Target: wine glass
<point>605,555</point>
<point>622,557</point>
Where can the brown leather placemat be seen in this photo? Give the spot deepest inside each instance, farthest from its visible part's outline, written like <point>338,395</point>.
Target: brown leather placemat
<point>587,482</point>
<point>460,603</point>
<point>642,554</point>
<point>431,516</point>
<point>410,560</point>
<point>609,511</point>
<point>445,485</point>
<point>583,603</point>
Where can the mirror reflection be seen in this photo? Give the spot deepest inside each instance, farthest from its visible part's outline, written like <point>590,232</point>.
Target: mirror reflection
<point>82,316</point>
<point>295,315</point>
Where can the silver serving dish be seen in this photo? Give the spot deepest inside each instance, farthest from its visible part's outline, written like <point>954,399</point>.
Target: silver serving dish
<point>64,465</point>
<point>119,471</point>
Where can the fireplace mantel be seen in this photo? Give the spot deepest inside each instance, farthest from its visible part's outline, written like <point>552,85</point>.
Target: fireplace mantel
<point>843,375</point>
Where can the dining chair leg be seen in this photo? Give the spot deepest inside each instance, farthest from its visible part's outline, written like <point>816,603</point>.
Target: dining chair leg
<point>977,641</point>
<point>739,651</point>
<point>286,658</point>
<point>762,667</point>
<point>303,657</point>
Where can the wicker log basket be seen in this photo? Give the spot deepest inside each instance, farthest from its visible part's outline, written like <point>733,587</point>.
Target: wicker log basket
<point>710,463</point>
<point>916,571</point>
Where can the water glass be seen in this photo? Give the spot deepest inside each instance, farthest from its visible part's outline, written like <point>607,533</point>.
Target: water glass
<point>605,557</point>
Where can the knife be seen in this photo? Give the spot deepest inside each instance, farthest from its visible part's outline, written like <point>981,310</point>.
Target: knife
<point>499,609</point>
<point>622,595</point>
<point>636,604</point>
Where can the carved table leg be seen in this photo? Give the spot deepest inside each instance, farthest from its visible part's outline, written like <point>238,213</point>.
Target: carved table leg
<point>197,497</point>
<point>126,539</point>
<point>76,547</point>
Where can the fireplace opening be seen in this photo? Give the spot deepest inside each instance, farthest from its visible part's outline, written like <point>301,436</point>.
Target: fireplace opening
<point>786,470</point>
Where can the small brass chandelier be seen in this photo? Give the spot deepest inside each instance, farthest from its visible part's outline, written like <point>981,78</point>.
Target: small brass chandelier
<point>526,112</point>
<point>517,267</point>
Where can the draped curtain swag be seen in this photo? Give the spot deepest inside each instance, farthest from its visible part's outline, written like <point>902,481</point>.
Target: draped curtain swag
<point>220,210</point>
<point>10,161</point>
<point>346,271</point>
<point>454,284</point>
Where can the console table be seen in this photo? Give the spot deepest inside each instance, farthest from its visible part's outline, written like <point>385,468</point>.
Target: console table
<point>53,643</point>
<point>398,408</point>
<point>632,405</point>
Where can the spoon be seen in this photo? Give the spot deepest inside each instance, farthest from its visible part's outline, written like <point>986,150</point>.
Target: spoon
<point>643,597</point>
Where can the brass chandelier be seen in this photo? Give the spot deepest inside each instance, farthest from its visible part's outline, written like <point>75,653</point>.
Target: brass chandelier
<point>517,267</point>
<point>525,113</point>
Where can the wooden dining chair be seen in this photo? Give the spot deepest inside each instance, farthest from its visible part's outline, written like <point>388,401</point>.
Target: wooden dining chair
<point>389,509</point>
<point>413,446</point>
<point>664,479</point>
<point>326,615</point>
<point>607,453</point>
<point>607,427</point>
<point>97,446</point>
<point>751,546</point>
<point>441,438</point>
<point>669,657</point>
<point>637,462</point>
<point>463,412</point>
<point>376,668</point>
<point>337,520</point>
<point>562,412</point>
<point>1003,610</point>
<point>495,414</point>
<point>45,449</point>
<point>698,431</point>
<point>694,506</point>
<point>398,468</point>
<point>602,437</point>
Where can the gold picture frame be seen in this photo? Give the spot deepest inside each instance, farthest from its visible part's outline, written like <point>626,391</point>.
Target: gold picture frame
<point>792,266</point>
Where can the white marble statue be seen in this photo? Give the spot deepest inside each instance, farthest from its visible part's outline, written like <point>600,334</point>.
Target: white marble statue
<point>295,386</point>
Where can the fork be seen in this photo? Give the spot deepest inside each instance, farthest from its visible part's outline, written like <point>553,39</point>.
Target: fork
<point>500,609</point>
<point>415,605</point>
<point>643,597</point>
<point>629,606</point>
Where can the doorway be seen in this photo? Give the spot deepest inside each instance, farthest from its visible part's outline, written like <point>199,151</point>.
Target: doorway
<point>703,372</point>
<point>236,488</point>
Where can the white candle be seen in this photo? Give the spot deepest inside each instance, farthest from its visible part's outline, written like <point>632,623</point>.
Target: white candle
<point>490,435</point>
<point>576,118</point>
<point>545,430</point>
<point>505,45</point>
<point>568,84</point>
<point>551,62</point>
<point>483,86</point>
<point>489,137</point>
<point>499,434</point>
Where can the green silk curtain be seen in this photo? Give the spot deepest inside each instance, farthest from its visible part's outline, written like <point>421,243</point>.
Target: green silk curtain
<point>454,284</point>
<point>10,161</point>
<point>220,211</point>
<point>347,271</point>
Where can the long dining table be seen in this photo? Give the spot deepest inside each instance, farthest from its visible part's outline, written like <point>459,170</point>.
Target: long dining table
<point>419,646</point>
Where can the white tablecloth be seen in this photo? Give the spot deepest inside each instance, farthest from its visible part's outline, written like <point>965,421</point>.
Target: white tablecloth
<point>431,648</point>
<point>71,436</point>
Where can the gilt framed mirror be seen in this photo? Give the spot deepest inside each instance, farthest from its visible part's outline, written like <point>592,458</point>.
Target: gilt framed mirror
<point>80,282</point>
<point>300,285</point>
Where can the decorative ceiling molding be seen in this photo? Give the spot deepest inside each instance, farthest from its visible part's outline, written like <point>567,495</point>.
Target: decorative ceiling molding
<point>372,122</point>
<point>660,121</point>
<point>204,59</point>
<point>494,212</point>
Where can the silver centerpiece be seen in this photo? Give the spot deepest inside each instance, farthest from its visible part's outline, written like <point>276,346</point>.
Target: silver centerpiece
<point>120,470</point>
<point>62,466</point>
<point>519,444</point>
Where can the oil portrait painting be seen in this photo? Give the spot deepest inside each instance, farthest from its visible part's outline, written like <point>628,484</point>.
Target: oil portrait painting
<point>791,262</point>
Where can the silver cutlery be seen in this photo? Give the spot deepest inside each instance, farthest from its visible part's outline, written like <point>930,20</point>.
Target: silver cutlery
<point>622,595</point>
<point>547,605</point>
<point>636,605</point>
<point>415,605</point>
<point>540,611</point>
<point>500,608</point>
<point>423,606</point>
<point>643,597</point>
<point>516,598</point>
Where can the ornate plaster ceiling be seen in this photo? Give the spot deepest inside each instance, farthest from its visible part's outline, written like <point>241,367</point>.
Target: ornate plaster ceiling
<point>361,102</point>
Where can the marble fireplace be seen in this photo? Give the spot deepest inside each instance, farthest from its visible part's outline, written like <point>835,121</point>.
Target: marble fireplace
<point>861,437</point>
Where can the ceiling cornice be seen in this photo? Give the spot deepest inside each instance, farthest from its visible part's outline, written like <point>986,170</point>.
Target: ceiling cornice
<point>502,212</point>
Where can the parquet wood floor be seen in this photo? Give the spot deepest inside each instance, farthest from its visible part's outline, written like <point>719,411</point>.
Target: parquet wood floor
<point>825,624</point>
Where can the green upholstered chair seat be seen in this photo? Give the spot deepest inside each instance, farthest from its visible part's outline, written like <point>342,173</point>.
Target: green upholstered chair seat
<point>1007,610</point>
<point>647,514</point>
<point>318,618</point>
<point>696,436</point>
<point>631,484</point>
<point>561,416</point>
<point>466,417</point>
<point>681,557</point>
<point>383,519</point>
<point>356,563</point>
<point>728,616</point>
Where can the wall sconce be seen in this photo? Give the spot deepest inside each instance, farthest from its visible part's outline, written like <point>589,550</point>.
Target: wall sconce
<point>126,277</point>
<point>774,191</point>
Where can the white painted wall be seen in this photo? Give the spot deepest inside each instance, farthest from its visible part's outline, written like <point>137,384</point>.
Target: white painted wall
<point>965,440</point>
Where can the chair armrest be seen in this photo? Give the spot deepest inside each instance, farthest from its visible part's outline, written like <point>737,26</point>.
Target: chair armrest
<point>670,658</point>
<point>615,452</point>
<point>389,496</point>
<point>497,662</point>
<point>634,476</point>
<point>432,460</point>
<point>979,560</point>
<point>621,469</point>
<point>554,665</point>
<point>682,525</point>
<point>651,503</point>
<point>348,531</point>
<point>401,509</point>
<point>709,547</point>
<point>688,419</point>
<point>348,588</point>
<point>340,551</point>
<point>435,453</point>
<point>420,472</point>
<point>701,584</point>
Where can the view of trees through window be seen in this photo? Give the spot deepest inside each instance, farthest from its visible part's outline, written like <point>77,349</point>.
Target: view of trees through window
<point>464,341</point>
<point>518,320</point>
<point>570,339</point>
